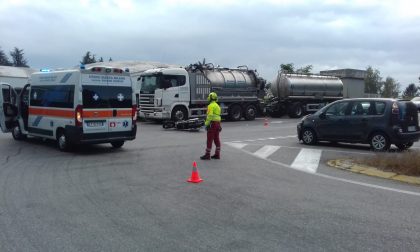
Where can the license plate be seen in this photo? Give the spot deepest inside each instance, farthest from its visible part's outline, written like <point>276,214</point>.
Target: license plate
<point>411,128</point>
<point>95,124</point>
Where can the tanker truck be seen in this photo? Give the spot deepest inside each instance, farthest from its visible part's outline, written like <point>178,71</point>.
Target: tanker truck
<point>181,93</point>
<point>299,94</point>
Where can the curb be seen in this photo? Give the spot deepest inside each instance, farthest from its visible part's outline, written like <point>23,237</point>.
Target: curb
<point>349,165</point>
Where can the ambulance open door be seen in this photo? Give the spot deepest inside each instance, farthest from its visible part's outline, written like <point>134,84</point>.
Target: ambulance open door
<point>8,108</point>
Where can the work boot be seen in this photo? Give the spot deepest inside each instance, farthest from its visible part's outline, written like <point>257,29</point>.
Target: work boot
<point>215,156</point>
<point>205,157</point>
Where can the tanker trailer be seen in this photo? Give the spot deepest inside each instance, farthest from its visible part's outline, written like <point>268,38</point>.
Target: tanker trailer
<point>298,94</point>
<point>181,93</point>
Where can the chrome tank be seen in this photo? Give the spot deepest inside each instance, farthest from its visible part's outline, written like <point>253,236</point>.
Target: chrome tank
<point>222,77</point>
<point>310,86</point>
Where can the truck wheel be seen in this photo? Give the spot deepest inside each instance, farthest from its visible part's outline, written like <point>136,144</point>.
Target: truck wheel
<point>62,141</point>
<point>235,113</point>
<point>276,114</point>
<point>295,110</point>
<point>250,112</point>
<point>117,144</point>
<point>17,133</point>
<point>179,113</point>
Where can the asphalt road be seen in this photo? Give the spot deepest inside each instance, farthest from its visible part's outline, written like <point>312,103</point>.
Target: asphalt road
<point>256,198</point>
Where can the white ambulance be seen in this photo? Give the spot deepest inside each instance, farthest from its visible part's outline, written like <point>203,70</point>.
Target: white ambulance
<point>79,106</point>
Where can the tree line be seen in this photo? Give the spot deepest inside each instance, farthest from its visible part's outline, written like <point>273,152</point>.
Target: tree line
<point>374,83</point>
<point>17,58</point>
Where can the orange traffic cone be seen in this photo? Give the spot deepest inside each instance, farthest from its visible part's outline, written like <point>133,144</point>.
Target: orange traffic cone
<point>265,122</point>
<point>195,177</point>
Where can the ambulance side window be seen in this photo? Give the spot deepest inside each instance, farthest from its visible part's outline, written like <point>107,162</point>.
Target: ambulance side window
<point>58,96</point>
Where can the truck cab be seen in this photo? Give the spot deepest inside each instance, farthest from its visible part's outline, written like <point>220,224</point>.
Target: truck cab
<point>164,94</point>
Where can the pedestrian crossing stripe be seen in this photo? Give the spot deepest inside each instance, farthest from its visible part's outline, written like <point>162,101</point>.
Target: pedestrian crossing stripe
<point>307,160</point>
<point>266,151</point>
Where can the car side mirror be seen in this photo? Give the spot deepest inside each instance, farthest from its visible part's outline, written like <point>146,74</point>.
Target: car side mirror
<point>322,116</point>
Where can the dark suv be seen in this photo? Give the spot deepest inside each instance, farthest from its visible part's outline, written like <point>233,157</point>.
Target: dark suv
<point>379,122</point>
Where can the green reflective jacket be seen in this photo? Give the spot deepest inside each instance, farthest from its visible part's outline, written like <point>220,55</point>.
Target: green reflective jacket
<point>213,113</point>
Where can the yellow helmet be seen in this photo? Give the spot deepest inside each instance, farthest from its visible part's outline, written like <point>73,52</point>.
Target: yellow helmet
<point>212,97</point>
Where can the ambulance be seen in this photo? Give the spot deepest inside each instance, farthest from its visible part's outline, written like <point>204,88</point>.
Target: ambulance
<point>79,106</point>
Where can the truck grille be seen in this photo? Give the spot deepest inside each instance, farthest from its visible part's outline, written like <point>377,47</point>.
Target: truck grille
<point>147,103</point>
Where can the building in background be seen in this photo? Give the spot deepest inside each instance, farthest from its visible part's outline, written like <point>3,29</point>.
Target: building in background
<point>353,81</point>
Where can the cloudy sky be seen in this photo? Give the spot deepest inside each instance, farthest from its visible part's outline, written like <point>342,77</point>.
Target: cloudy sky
<point>262,34</point>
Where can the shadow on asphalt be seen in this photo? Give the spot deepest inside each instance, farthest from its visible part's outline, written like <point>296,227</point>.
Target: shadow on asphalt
<point>359,147</point>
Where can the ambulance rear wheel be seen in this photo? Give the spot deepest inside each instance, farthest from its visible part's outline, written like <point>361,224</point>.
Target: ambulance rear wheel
<point>17,133</point>
<point>117,144</point>
<point>62,141</point>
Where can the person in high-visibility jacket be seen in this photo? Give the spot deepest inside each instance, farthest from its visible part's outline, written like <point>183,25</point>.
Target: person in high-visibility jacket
<point>213,127</point>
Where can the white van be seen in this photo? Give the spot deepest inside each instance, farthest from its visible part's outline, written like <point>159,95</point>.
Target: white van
<point>79,106</point>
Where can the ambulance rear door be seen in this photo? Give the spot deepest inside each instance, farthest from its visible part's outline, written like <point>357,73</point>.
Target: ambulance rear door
<point>107,100</point>
<point>8,108</point>
<point>96,110</point>
<point>120,92</point>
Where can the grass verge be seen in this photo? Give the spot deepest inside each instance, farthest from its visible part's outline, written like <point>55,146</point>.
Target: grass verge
<point>404,163</point>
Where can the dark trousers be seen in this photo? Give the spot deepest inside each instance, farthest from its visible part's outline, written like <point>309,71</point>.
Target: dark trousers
<point>213,136</point>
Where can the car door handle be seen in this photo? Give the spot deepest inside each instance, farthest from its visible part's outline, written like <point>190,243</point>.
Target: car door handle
<point>176,95</point>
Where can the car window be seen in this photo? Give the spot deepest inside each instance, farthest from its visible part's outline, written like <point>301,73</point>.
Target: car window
<point>361,108</point>
<point>379,108</point>
<point>338,109</point>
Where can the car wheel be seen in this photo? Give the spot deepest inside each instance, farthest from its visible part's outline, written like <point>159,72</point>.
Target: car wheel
<point>250,112</point>
<point>179,113</point>
<point>117,144</point>
<point>235,113</point>
<point>404,146</point>
<point>379,142</point>
<point>62,142</point>
<point>17,133</point>
<point>308,136</point>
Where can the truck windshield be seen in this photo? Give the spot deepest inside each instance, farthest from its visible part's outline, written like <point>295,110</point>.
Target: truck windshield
<point>148,84</point>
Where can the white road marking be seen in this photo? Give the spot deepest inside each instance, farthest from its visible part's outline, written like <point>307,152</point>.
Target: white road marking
<point>237,145</point>
<point>342,179</point>
<point>307,160</point>
<point>263,139</point>
<point>266,151</point>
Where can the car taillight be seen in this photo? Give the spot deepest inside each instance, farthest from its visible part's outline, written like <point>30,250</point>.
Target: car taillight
<point>134,112</point>
<point>395,108</point>
<point>79,116</point>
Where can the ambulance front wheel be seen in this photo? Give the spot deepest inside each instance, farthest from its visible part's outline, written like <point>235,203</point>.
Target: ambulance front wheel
<point>62,141</point>
<point>17,133</point>
<point>117,144</point>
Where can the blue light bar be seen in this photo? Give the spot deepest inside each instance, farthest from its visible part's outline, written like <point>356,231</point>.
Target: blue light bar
<point>45,70</point>
<point>82,66</point>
